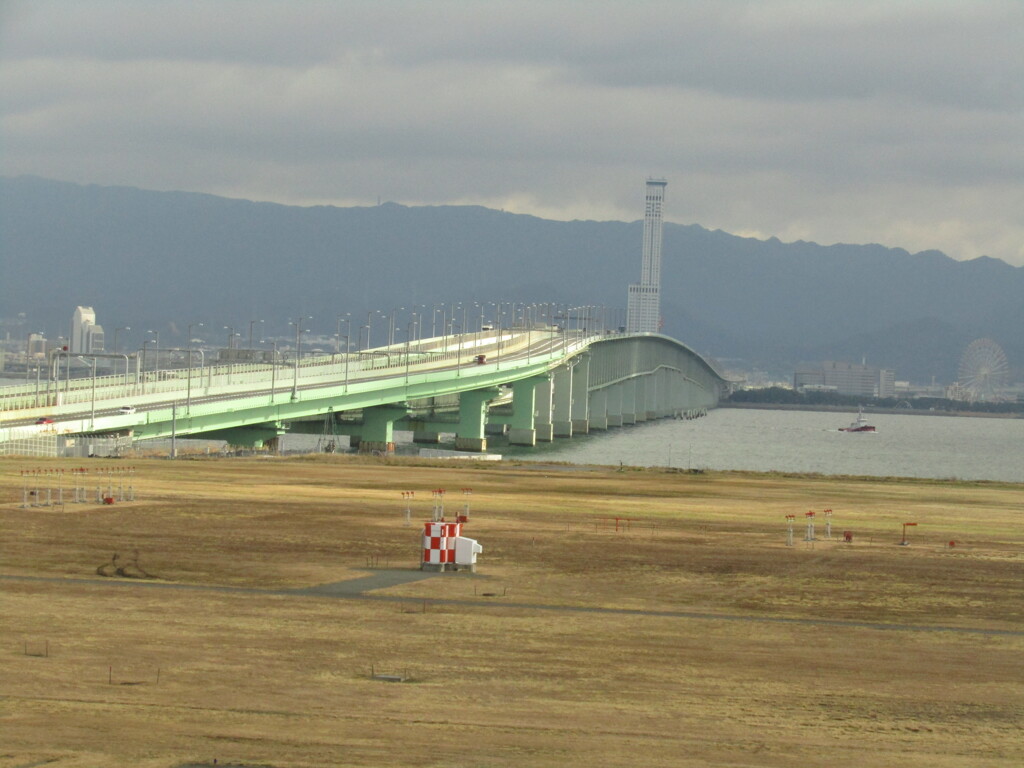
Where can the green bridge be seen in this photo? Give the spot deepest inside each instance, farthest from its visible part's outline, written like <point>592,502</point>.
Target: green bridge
<point>529,384</point>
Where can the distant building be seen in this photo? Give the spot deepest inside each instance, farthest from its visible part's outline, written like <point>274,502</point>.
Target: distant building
<point>86,336</point>
<point>955,392</point>
<point>845,379</point>
<point>643,311</point>
<point>36,345</point>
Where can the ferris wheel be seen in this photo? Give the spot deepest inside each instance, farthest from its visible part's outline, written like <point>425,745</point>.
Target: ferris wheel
<point>983,369</point>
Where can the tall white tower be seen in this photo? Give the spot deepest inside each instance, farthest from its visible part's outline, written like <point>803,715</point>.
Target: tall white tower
<point>643,311</point>
<point>86,336</point>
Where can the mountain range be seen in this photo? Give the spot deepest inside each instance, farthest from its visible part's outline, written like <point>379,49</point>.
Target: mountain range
<point>163,260</point>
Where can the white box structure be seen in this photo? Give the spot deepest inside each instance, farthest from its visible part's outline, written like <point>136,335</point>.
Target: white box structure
<point>466,550</point>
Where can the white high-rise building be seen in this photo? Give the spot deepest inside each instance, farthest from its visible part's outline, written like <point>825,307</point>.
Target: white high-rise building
<point>86,336</point>
<point>643,311</point>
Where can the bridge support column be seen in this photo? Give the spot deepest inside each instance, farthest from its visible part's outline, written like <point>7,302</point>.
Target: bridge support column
<point>672,382</point>
<point>580,407</point>
<point>470,435</point>
<point>542,424</point>
<point>629,402</point>
<point>613,405</point>
<point>521,428</point>
<point>656,402</point>
<point>252,436</point>
<point>598,415</point>
<point>423,432</point>
<point>678,392</point>
<point>643,387</point>
<point>652,395</point>
<point>561,419</point>
<point>378,432</point>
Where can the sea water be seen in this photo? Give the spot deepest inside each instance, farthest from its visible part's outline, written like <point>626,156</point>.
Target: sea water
<point>931,446</point>
<point>924,446</point>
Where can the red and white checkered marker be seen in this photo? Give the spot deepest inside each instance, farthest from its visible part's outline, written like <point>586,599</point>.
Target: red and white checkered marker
<point>439,542</point>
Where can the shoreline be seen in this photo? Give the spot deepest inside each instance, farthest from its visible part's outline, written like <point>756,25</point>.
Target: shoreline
<point>867,409</point>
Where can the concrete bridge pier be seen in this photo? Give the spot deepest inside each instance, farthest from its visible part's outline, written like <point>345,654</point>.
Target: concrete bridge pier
<point>598,409</point>
<point>580,406</point>
<point>628,402</point>
<point>656,405</point>
<point>677,401</point>
<point>676,389</point>
<point>643,393</point>
<point>544,409</point>
<point>668,396</point>
<point>653,387</point>
<point>521,427</point>
<point>422,432</point>
<point>470,434</point>
<point>378,432</point>
<point>613,405</point>
<point>561,417</point>
<point>252,436</point>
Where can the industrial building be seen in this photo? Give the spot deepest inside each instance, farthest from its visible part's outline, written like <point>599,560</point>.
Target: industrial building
<point>845,379</point>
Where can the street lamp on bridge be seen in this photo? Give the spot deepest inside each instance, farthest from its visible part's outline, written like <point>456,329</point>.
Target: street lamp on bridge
<point>142,371</point>
<point>391,325</point>
<point>156,353</point>
<point>116,330</point>
<point>369,322</point>
<point>251,324</point>
<point>298,353</point>
<point>188,386</point>
<point>347,317</point>
<point>433,319</point>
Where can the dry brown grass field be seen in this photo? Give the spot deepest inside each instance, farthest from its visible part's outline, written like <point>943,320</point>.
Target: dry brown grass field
<point>687,635</point>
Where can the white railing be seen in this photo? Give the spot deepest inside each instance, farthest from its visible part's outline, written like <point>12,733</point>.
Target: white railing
<point>238,379</point>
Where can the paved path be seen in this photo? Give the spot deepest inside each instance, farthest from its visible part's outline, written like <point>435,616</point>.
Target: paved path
<point>372,581</point>
<point>360,589</point>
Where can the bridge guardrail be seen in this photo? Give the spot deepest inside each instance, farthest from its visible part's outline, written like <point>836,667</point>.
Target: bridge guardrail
<point>109,391</point>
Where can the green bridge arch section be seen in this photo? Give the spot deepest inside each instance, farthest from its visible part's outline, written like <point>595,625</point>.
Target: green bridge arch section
<point>601,383</point>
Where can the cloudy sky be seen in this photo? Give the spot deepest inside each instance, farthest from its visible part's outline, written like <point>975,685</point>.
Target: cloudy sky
<point>894,121</point>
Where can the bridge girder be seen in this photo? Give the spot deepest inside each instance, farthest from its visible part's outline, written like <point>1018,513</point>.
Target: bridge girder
<point>593,383</point>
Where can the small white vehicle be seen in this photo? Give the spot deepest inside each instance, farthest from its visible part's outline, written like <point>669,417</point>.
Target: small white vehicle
<point>126,409</point>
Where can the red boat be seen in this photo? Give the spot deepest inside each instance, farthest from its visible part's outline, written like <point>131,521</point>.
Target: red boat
<point>860,425</point>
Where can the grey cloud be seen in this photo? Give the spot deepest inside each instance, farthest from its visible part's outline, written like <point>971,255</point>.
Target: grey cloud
<point>782,118</point>
<point>961,54</point>
<point>967,55</point>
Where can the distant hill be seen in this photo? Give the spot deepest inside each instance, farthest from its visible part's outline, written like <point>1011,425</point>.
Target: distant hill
<point>162,260</point>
